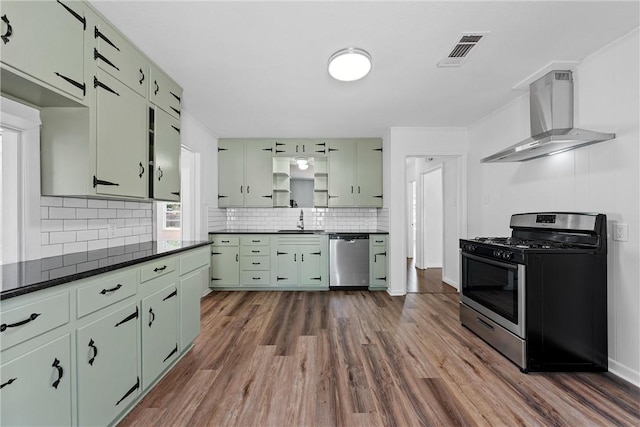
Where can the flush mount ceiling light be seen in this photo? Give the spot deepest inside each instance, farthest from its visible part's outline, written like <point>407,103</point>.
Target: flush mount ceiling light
<point>350,64</point>
<point>303,163</point>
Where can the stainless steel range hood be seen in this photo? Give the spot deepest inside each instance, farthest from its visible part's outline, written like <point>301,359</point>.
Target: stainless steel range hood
<point>551,105</point>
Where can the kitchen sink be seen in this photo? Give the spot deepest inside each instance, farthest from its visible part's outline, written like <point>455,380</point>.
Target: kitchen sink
<point>298,231</point>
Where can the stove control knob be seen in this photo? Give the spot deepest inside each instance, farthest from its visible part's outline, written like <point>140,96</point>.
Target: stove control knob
<point>469,247</point>
<point>497,254</point>
<point>507,255</point>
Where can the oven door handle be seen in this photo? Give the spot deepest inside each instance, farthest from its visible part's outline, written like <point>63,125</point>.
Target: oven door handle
<point>491,261</point>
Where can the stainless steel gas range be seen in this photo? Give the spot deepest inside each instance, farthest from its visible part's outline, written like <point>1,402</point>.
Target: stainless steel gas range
<point>540,295</point>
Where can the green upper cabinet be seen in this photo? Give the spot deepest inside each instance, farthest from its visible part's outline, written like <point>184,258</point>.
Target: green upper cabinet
<point>341,165</point>
<point>36,387</point>
<point>300,147</point>
<point>230,173</point>
<point>115,55</point>
<point>368,191</point>
<point>165,182</point>
<point>164,93</point>
<point>245,173</point>
<point>355,173</point>
<point>121,152</point>
<point>45,40</point>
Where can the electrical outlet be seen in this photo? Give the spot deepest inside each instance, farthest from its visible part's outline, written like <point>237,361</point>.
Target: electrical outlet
<point>111,230</point>
<point>621,232</point>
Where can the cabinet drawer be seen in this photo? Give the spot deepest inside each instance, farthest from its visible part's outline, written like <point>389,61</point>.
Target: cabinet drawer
<point>254,241</point>
<point>28,321</point>
<point>377,240</point>
<point>224,241</point>
<point>252,263</point>
<point>106,292</point>
<point>194,260</point>
<point>255,278</point>
<point>157,269</point>
<point>254,250</point>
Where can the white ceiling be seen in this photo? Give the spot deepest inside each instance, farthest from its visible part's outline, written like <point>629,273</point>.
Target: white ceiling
<point>259,69</point>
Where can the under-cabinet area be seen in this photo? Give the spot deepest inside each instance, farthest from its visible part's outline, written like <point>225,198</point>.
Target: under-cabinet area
<point>292,261</point>
<point>110,117</point>
<point>84,352</point>
<point>300,172</point>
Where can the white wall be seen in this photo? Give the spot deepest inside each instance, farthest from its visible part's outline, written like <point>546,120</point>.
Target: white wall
<point>432,222</point>
<point>202,141</point>
<point>601,178</point>
<point>426,142</point>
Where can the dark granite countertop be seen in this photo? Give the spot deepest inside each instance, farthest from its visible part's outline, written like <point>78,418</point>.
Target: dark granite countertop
<point>250,231</point>
<point>29,276</point>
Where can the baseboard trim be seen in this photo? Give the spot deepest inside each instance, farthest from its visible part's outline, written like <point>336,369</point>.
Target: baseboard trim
<point>624,372</point>
<point>396,293</point>
<point>451,282</point>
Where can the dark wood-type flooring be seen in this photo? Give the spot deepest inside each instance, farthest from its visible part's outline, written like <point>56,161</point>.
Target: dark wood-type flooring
<point>352,358</point>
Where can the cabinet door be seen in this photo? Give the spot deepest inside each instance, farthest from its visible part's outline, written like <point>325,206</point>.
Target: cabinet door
<point>108,377</point>
<point>225,266</point>
<point>164,93</point>
<point>121,139</point>
<point>310,265</point>
<point>166,158</point>
<point>45,39</point>
<point>286,265</point>
<point>230,174</point>
<point>378,264</point>
<point>258,173</point>
<point>159,333</point>
<point>341,162</point>
<point>116,56</point>
<point>191,288</point>
<point>369,173</point>
<point>36,387</point>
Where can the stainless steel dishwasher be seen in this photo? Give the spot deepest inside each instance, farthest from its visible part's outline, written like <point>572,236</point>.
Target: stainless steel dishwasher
<point>348,260</point>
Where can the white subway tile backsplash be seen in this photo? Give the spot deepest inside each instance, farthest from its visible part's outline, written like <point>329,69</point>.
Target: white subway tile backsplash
<point>62,213</point>
<point>71,225</point>
<point>74,224</point>
<point>87,235</point>
<point>115,204</point>
<point>62,237</point>
<point>87,213</point>
<point>50,201</point>
<point>51,250</point>
<point>69,248</point>
<point>95,203</point>
<point>107,213</point>
<point>93,245</point>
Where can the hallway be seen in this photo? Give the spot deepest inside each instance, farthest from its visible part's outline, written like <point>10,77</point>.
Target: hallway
<point>428,281</point>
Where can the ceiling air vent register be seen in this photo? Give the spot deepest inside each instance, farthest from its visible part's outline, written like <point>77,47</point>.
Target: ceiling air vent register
<point>461,50</point>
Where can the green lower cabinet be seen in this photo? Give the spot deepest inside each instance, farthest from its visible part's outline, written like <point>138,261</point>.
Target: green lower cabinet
<point>311,266</point>
<point>378,264</point>
<point>159,333</point>
<point>300,263</point>
<point>225,266</point>
<point>190,291</point>
<point>286,265</point>
<point>107,358</point>
<point>36,387</point>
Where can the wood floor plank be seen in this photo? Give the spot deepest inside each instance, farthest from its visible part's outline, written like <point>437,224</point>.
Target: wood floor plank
<point>357,358</point>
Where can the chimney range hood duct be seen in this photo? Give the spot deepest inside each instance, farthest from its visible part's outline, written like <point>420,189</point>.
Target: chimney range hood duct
<point>551,106</point>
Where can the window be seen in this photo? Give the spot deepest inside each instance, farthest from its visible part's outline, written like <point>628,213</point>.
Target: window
<point>19,182</point>
<point>172,216</point>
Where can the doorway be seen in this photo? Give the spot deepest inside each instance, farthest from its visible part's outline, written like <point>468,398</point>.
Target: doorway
<point>432,210</point>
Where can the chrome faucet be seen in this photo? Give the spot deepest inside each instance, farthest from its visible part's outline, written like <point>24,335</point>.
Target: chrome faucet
<point>301,223</point>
